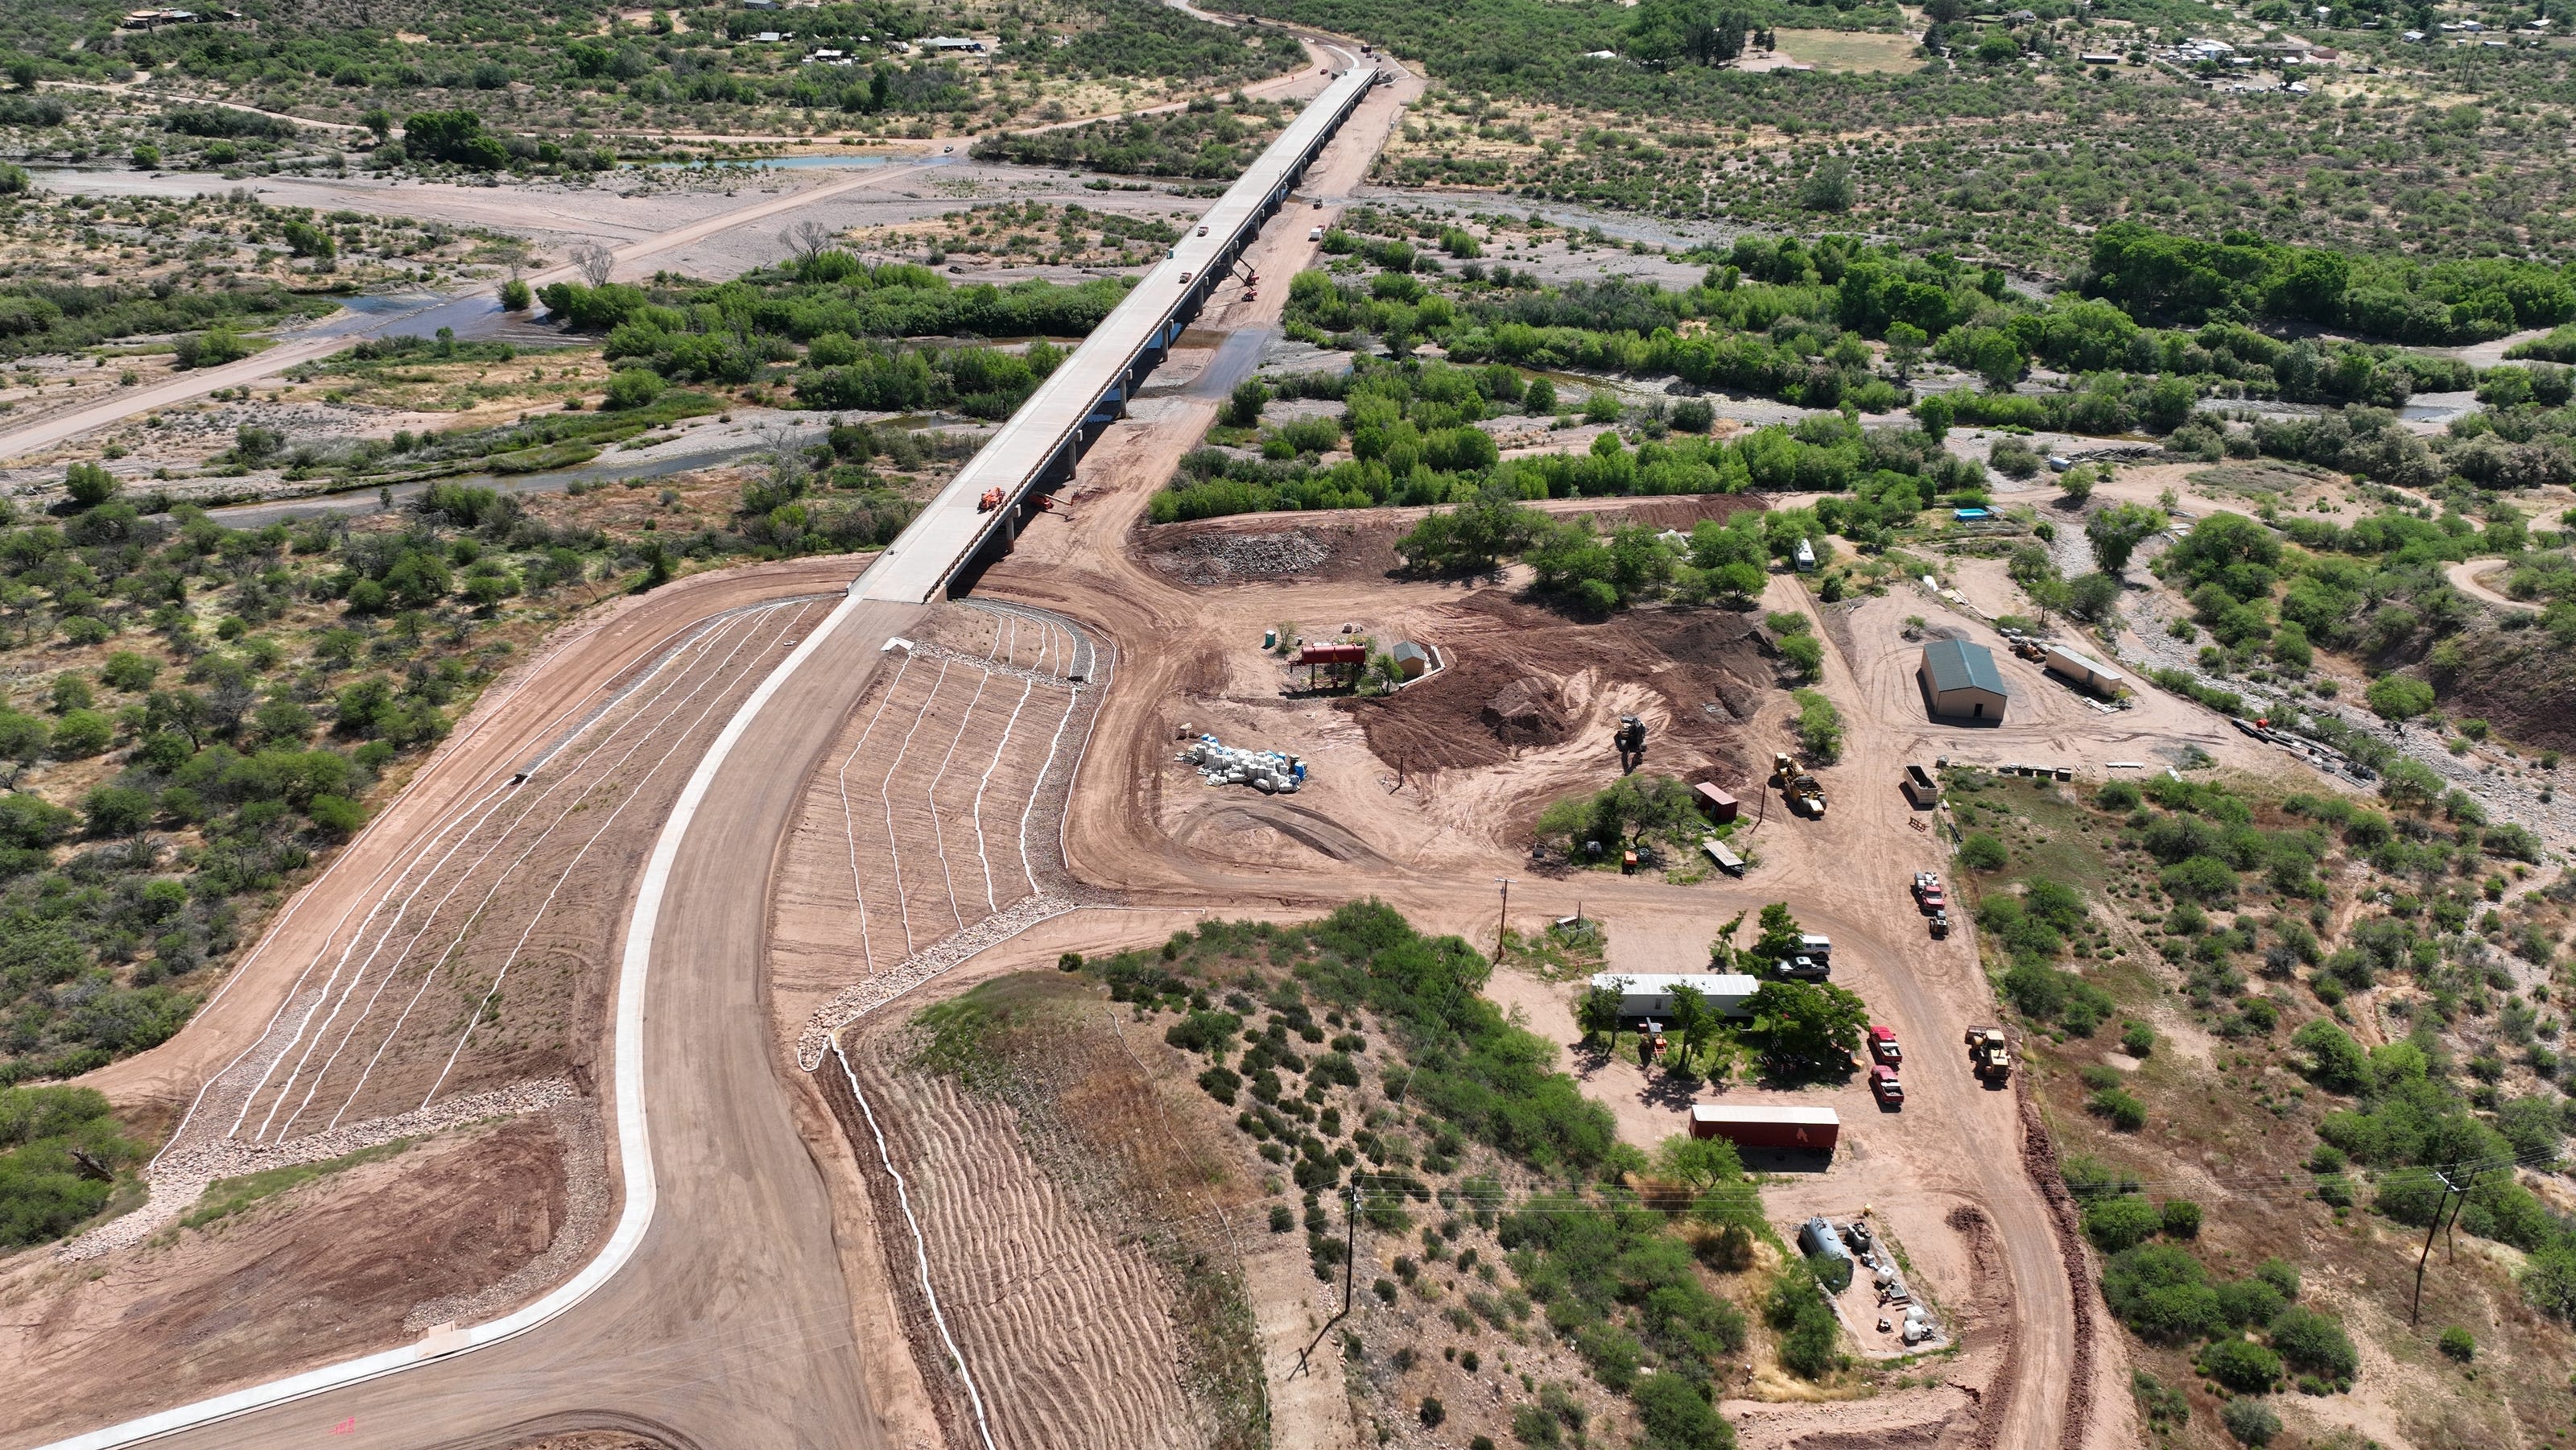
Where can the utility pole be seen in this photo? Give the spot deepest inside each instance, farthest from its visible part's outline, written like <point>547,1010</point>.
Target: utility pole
<point>2450,1239</point>
<point>1503,924</point>
<point>1350,1270</point>
<point>2415,1311</point>
<point>1350,1246</point>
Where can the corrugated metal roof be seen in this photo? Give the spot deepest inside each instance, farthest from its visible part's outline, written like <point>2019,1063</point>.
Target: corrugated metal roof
<point>1656,984</point>
<point>1958,665</point>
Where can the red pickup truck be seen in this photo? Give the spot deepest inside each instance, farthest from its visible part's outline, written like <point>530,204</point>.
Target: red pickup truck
<point>1883,1046</point>
<point>1884,1086</point>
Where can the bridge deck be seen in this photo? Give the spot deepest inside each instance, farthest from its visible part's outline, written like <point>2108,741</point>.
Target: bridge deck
<point>1040,442</point>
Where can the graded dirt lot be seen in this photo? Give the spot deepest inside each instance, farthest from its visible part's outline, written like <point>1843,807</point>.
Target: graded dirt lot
<point>307,1274</point>
<point>1434,850</point>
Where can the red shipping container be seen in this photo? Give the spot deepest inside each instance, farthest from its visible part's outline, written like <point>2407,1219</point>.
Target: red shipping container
<point>1767,1127</point>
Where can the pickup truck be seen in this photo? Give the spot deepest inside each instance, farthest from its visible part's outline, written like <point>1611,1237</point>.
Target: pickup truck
<point>1928,896</point>
<point>1884,1086</point>
<point>1883,1046</point>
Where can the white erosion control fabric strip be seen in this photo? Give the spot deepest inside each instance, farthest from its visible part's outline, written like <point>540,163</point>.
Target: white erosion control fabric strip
<point>634,1146</point>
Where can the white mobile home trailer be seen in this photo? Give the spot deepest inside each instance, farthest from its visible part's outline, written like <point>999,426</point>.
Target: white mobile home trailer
<point>1650,994</point>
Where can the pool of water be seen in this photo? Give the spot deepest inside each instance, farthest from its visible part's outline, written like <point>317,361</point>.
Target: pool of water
<point>772,163</point>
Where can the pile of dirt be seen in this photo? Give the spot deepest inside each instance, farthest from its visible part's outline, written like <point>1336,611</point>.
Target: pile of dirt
<point>2520,683</point>
<point>1507,688</point>
<point>1528,711</point>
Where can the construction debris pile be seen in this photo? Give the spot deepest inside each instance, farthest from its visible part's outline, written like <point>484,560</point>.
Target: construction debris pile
<point>1267,771</point>
<point>1918,1324</point>
<point>1217,557</point>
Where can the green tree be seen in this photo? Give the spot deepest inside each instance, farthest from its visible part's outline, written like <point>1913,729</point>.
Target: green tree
<point>1243,408</point>
<point>1905,344</point>
<point>2315,1343</point>
<point>1820,727</point>
<point>1829,187</point>
<point>632,388</point>
<point>89,485</point>
<point>515,296</point>
<point>2410,784</point>
<point>1804,653</point>
<point>2116,532</point>
<point>24,740</point>
<point>1779,934</point>
<point>307,240</point>
<point>1694,1019</point>
<point>2094,597</point>
<point>2119,1223</point>
<point>1596,1011</point>
<point>1812,1024</point>
<point>2399,697</point>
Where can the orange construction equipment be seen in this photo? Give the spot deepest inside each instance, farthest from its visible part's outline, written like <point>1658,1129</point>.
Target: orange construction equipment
<point>991,500</point>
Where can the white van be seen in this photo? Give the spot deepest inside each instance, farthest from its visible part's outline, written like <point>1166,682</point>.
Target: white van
<point>1315,234</point>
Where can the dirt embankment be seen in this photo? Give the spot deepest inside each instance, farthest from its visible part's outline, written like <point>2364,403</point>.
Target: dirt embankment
<point>1084,1238</point>
<point>303,1275</point>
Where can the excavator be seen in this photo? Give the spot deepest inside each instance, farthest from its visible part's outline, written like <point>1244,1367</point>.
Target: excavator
<point>1630,737</point>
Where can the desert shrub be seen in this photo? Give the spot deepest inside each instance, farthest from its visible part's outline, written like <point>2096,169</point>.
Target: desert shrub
<point>2252,1421</point>
<point>2315,1343</point>
<point>2116,1224</point>
<point>1810,1336</point>
<point>2241,1365</point>
<point>2162,1293</point>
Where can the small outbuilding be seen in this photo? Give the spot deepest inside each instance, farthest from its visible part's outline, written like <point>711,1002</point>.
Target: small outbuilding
<point>1960,681</point>
<point>1714,803</point>
<point>1412,660</point>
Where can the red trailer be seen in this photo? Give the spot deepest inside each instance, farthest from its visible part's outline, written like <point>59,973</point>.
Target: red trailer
<point>1750,1126</point>
<point>1715,804</point>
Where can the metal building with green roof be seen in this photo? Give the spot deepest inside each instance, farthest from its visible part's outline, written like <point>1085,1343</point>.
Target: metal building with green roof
<point>1960,681</point>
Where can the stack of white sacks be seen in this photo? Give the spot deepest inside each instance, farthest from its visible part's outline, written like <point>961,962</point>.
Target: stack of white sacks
<point>1267,771</point>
